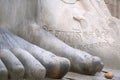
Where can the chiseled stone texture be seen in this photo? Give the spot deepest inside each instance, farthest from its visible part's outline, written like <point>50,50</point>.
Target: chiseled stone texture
<point>86,25</point>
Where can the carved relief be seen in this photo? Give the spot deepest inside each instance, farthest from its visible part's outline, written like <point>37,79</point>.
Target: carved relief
<point>85,39</point>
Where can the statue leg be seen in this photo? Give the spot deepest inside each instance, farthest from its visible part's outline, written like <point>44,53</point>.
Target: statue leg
<point>18,61</point>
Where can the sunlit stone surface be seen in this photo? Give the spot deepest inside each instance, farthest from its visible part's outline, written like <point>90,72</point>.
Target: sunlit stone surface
<point>33,32</point>
<point>84,24</point>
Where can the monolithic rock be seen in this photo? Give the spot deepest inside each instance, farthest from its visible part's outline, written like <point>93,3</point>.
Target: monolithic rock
<point>37,38</point>
<point>84,24</point>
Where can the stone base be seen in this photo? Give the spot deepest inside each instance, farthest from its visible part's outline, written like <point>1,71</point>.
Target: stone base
<point>98,76</point>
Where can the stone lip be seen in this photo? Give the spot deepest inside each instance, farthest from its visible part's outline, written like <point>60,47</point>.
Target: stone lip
<point>98,76</point>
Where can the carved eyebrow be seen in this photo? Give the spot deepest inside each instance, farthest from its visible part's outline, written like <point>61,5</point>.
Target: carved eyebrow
<point>69,2</point>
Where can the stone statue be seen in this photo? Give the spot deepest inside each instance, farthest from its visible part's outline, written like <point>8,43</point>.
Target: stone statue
<point>37,38</point>
<point>83,24</point>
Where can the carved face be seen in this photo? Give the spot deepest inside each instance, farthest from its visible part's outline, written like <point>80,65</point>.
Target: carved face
<point>76,22</point>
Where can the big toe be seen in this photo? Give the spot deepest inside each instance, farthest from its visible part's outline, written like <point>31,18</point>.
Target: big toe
<point>97,64</point>
<point>94,65</point>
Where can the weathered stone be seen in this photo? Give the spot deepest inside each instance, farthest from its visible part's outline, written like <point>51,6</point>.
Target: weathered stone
<point>86,25</point>
<point>114,7</point>
<point>83,24</point>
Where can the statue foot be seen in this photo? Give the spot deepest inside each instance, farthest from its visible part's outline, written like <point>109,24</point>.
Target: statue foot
<point>81,62</point>
<point>20,59</point>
